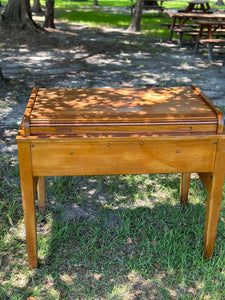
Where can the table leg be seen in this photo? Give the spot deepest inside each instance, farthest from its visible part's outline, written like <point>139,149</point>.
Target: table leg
<point>184,188</point>
<point>202,7</point>
<point>198,39</point>
<point>171,28</point>
<point>210,52</point>
<point>41,193</point>
<point>214,197</point>
<point>28,198</point>
<point>190,7</point>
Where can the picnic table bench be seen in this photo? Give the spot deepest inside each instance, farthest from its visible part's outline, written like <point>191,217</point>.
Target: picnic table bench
<point>180,23</point>
<point>210,37</point>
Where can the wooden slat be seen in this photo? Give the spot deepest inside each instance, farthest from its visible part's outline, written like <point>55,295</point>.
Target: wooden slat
<point>131,109</point>
<point>217,111</point>
<point>163,130</point>
<point>28,111</point>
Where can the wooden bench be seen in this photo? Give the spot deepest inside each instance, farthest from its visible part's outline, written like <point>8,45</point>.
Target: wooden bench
<point>194,32</point>
<point>215,30</point>
<point>189,31</point>
<point>158,8</point>
<point>168,25</point>
<point>210,44</point>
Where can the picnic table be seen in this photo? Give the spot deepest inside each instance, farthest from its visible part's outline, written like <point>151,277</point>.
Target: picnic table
<point>179,23</point>
<point>197,6</point>
<point>214,30</point>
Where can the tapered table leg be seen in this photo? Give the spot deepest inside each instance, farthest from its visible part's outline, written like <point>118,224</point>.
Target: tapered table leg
<point>28,198</point>
<point>41,193</point>
<point>184,188</point>
<point>214,197</point>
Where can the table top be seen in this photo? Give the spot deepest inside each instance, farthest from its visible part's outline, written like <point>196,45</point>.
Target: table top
<point>191,15</point>
<point>212,22</point>
<point>179,109</point>
<point>198,2</point>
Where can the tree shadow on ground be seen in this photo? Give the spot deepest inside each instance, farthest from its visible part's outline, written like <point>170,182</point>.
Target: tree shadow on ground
<point>111,237</point>
<point>125,248</point>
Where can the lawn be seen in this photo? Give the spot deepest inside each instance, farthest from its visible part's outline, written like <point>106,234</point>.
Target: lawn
<point>85,13</point>
<point>132,240</point>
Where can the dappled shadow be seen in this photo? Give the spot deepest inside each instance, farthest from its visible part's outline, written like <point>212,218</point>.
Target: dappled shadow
<point>74,56</point>
<point>124,112</point>
<point>116,236</point>
<point>103,232</point>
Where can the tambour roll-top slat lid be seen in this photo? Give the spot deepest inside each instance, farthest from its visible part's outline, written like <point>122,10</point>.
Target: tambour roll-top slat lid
<point>184,110</point>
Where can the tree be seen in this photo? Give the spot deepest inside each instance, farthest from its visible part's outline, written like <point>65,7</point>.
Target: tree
<point>18,12</point>
<point>49,14</point>
<point>95,3</point>
<point>219,2</point>
<point>135,24</point>
<point>2,79</point>
<point>150,3</point>
<point>36,6</point>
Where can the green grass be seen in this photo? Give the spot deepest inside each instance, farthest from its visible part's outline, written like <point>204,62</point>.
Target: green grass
<point>86,13</point>
<point>96,17</point>
<point>137,241</point>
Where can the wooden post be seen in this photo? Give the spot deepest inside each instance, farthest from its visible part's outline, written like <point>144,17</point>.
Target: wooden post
<point>184,188</point>
<point>41,193</point>
<point>28,198</point>
<point>214,197</point>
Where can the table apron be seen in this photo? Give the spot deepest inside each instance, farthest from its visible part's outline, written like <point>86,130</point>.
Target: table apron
<point>122,157</point>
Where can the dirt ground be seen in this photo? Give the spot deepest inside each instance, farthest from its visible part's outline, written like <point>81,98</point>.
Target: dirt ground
<point>75,56</point>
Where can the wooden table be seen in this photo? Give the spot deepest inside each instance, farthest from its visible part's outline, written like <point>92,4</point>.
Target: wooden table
<point>196,6</point>
<point>179,19</point>
<point>67,132</point>
<point>215,29</point>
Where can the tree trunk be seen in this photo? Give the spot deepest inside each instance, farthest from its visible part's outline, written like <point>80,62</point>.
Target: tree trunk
<point>150,3</point>
<point>135,24</point>
<point>223,67</point>
<point>18,13</point>
<point>2,79</point>
<point>36,6</point>
<point>219,2</point>
<point>49,14</point>
<point>95,3</point>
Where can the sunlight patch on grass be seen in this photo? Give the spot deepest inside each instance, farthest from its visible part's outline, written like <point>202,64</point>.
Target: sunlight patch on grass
<point>120,292</point>
<point>19,280</point>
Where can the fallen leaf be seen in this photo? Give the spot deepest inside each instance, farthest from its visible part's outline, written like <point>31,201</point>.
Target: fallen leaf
<point>153,243</point>
<point>157,265</point>
<point>129,241</point>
